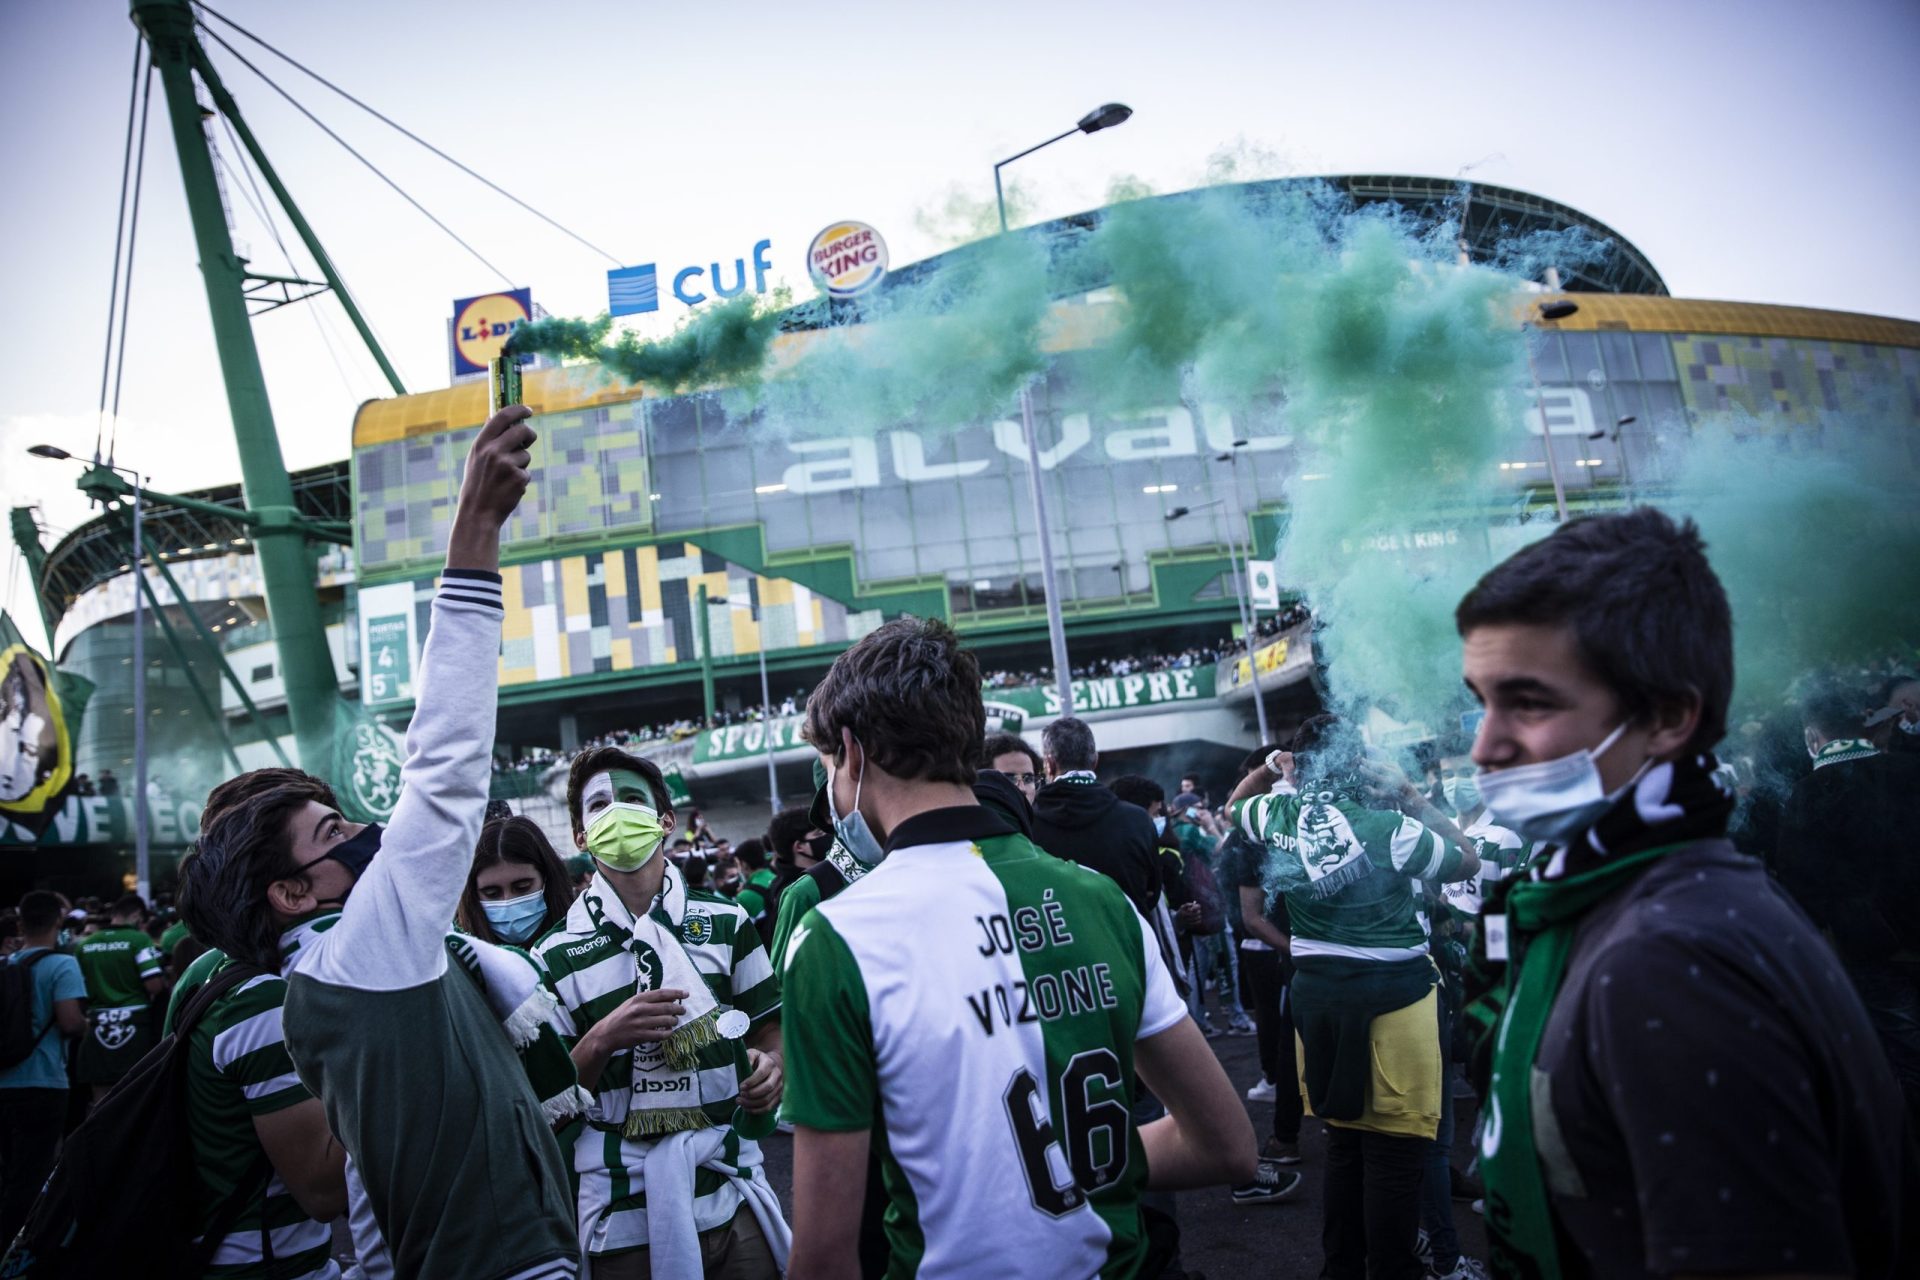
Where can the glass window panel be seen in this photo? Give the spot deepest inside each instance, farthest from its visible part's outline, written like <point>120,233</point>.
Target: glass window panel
<point>993,553</point>
<point>948,558</point>
<point>885,520</point>
<point>1655,351</point>
<point>889,562</point>
<point>1616,350</point>
<point>832,516</point>
<point>1583,359</point>
<point>936,508</point>
<point>1548,360</point>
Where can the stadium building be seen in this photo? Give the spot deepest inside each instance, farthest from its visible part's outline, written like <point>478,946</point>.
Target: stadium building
<point>672,544</point>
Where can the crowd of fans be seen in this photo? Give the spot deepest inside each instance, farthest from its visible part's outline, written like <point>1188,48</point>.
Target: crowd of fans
<point>1680,1059</point>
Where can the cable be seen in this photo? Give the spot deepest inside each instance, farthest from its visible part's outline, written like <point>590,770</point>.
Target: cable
<point>262,210</point>
<point>297,106</point>
<point>133,233</point>
<point>119,232</point>
<point>395,124</point>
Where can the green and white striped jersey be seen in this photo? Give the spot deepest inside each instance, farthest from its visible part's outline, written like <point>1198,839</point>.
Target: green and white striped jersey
<point>116,964</point>
<point>586,963</point>
<point>1348,872</point>
<point>1501,851</point>
<point>238,1069</point>
<point>975,1003</point>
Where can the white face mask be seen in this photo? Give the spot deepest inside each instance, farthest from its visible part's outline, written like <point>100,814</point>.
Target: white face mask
<point>1552,801</point>
<point>852,830</point>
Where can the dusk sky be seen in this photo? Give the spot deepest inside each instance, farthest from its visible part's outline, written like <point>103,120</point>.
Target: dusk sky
<point>1752,150</point>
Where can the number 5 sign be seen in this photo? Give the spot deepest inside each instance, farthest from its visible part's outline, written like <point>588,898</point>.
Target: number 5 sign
<point>386,644</point>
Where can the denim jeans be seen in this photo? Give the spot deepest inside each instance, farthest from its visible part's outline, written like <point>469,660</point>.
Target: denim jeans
<point>1215,963</point>
<point>1273,1019</point>
<point>1436,1190</point>
<point>1372,1205</point>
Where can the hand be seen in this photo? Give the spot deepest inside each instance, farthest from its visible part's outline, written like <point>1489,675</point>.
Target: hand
<point>497,466</point>
<point>1388,784</point>
<point>760,1091</point>
<point>1188,916</point>
<point>647,1018</point>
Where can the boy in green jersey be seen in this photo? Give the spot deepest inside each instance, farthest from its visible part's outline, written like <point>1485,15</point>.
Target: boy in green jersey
<point>980,1010</point>
<point>124,972</point>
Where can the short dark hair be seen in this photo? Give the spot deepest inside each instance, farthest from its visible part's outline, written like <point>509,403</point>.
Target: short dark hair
<point>911,695</point>
<point>1325,745</point>
<point>518,840</point>
<point>1003,744</point>
<point>224,878</point>
<point>1834,712</point>
<point>1138,789</point>
<point>751,853</point>
<point>1648,614</point>
<point>129,904</point>
<point>1257,758</point>
<point>254,782</point>
<point>787,826</point>
<point>1069,740</point>
<point>596,760</point>
<point>41,910</point>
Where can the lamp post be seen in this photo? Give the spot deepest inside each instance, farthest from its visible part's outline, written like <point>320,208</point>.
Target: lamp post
<point>1102,117</point>
<point>1558,309</point>
<point>766,707</point>
<point>1247,616</point>
<point>142,857</point>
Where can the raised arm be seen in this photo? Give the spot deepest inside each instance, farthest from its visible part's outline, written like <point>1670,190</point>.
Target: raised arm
<point>391,932</point>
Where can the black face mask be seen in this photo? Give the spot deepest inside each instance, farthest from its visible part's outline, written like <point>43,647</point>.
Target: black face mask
<point>354,853</point>
<point>819,845</point>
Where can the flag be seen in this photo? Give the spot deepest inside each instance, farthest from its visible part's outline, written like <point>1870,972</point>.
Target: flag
<point>40,711</point>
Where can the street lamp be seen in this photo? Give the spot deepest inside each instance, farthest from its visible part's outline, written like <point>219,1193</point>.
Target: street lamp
<point>1101,117</point>
<point>1558,309</point>
<point>766,705</point>
<point>1247,615</point>
<point>142,861</point>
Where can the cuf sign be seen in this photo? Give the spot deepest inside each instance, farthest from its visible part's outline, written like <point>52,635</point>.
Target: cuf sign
<point>847,259</point>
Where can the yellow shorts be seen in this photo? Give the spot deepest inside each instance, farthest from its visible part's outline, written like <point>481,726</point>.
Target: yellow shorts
<point>1403,1098</point>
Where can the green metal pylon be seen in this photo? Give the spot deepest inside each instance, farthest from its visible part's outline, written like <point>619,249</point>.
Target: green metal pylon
<point>287,562</point>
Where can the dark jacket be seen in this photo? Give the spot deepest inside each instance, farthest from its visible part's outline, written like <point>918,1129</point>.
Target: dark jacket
<point>1082,821</point>
<point>1846,853</point>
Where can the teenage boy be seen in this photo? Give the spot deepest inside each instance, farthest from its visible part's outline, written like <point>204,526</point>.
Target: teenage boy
<point>1683,1081</point>
<point>978,1009</point>
<point>124,972</point>
<point>673,1015</point>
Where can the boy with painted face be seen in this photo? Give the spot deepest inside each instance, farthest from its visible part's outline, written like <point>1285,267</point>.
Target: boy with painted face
<point>1683,1080</point>
<point>672,1012</point>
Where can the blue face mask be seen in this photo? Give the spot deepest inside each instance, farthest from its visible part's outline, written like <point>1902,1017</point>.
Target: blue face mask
<point>852,831</point>
<point>517,919</point>
<point>1159,824</point>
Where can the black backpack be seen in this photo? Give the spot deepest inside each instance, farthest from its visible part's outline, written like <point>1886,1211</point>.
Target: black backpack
<point>124,1198</point>
<point>18,1039</point>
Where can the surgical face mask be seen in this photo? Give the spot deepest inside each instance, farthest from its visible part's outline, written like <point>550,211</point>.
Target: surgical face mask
<point>1159,824</point>
<point>1552,801</point>
<point>624,836</point>
<point>65,939</point>
<point>355,853</point>
<point>1462,792</point>
<point>852,830</point>
<point>517,919</point>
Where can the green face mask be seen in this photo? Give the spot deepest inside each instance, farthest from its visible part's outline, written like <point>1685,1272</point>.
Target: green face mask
<point>624,835</point>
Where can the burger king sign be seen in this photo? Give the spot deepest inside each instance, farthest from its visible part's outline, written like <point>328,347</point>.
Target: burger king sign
<point>847,259</point>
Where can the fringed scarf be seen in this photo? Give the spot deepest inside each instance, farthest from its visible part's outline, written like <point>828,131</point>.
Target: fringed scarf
<point>1672,804</point>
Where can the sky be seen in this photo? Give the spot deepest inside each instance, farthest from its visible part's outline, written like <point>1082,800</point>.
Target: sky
<point>1749,147</point>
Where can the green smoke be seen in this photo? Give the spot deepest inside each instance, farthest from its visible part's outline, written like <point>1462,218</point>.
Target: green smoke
<point>1817,548</point>
<point>725,343</point>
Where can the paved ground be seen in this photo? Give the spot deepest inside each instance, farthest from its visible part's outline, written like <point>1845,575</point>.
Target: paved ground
<point>1225,1241</point>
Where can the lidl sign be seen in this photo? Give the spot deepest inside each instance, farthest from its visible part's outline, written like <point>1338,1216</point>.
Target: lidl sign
<point>481,326</point>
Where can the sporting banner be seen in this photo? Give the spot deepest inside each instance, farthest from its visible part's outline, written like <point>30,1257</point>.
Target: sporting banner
<point>40,712</point>
<point>1283,660</point>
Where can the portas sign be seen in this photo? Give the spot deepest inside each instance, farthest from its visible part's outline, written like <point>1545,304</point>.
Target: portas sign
<point>847,259</point>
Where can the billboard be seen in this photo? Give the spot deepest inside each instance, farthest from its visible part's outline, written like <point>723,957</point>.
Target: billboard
<point>481,326</point>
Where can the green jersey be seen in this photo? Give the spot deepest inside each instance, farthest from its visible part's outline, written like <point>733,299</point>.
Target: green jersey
<point>116,964</point>
<point>170,939</point>
<point>237,1069</point>
<point>798,898</point>
<point>591,964</point>
<point>975,1003</point>
<point>1348,872</point>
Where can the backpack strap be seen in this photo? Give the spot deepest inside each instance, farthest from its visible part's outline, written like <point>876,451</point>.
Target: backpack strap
<point>52,1017</point>
<point>260,1172</point>
<point>215,987</point>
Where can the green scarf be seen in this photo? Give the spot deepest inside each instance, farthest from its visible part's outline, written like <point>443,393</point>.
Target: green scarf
<point>1545,913</point>
<point>1668,805</point>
